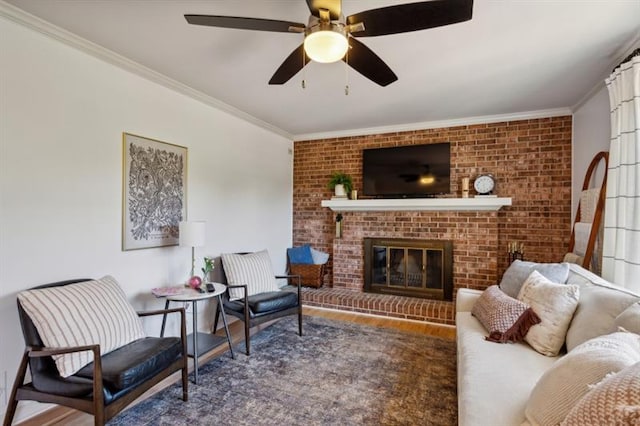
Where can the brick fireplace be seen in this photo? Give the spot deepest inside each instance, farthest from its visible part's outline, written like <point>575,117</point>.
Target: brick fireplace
<point>531,160</point>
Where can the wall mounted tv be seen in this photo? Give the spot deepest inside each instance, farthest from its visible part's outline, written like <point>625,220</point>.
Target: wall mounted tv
<point>407,171</point>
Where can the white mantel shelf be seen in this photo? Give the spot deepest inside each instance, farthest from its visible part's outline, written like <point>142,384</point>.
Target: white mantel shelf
<point>416,204</point>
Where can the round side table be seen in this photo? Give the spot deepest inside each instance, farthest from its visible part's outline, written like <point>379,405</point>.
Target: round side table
<point>198,342</point>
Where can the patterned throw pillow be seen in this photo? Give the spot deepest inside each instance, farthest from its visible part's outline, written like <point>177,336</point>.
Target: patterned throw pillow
<point>555,305</point>
<point>505,318</point>
<point>614,401</point>
<point>86,313</point>
<point>253,270</point>
<point>570,378</point>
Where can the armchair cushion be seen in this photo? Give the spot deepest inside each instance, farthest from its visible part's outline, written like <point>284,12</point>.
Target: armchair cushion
<point>92,312</point>
<point>135,362</point>
<point>266,302</point>
<point>253,270</point>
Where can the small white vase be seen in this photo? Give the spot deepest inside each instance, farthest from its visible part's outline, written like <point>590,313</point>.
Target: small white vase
<point>339,190</point>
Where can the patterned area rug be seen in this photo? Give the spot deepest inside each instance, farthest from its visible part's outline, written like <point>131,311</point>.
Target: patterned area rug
<point>338,373</point>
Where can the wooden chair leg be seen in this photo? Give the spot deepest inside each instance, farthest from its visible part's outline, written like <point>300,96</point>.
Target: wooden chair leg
<point>247,343</point>
<point>185,381</point>
<point>98,389</point>
<point>215,320</point>
<point>300,320</point>
<point>13,401</point>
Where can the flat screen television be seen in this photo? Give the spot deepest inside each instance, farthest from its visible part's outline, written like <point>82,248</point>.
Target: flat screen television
<point>407,171</point>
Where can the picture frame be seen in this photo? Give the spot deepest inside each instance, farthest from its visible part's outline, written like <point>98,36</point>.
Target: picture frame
<point>154,192</point>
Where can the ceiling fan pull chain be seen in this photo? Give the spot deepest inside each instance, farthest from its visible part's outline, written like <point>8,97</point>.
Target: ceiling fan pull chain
<point>304,71</point>
<point>346,74</point>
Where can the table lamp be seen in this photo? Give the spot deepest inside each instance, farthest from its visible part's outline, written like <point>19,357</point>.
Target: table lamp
<point>192,234</point>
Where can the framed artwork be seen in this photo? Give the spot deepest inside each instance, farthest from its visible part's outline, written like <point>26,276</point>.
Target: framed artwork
<point>154,192</point>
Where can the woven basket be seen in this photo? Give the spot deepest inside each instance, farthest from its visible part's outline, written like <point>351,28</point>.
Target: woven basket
<point>311,275</point>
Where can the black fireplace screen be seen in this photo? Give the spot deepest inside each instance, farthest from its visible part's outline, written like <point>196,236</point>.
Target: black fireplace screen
<point>416,268</point>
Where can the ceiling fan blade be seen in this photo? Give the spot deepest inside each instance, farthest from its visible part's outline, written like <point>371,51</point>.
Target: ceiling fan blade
<point>411,17</point>
<point>367,63</point>
<point>290,66</point>
<point>333,6</point>
<point>245,23</point>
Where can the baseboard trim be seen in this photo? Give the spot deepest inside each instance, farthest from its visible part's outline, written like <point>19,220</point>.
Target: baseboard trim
<point>48,417</point>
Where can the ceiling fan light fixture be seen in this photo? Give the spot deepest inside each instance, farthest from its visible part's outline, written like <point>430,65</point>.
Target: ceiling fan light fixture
<point>326,43</point>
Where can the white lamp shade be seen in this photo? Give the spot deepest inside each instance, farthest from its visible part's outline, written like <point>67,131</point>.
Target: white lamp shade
<point>192,234</point>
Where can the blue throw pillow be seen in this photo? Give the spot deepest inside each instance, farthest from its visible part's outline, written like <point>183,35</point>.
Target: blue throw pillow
<point>300,255</point>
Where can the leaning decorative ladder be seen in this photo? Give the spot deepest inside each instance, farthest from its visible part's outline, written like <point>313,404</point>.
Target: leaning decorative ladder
<point>585,244</point>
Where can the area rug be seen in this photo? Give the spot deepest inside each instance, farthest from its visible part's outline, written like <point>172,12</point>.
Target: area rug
<point>337,373</point>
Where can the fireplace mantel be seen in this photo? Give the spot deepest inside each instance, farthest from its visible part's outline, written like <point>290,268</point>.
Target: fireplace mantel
<point>409,204</point>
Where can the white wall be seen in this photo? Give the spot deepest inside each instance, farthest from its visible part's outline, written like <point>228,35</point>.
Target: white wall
<point>62,114</point>
<point>591,134</point>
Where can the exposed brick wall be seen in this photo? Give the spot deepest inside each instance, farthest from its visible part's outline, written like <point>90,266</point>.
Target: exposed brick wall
<point>531,160</point>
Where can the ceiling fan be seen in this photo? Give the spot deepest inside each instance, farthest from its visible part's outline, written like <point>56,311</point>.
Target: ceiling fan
<point>329,37</point>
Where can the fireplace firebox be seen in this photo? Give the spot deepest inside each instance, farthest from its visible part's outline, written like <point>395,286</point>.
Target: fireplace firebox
<point>405,267</point>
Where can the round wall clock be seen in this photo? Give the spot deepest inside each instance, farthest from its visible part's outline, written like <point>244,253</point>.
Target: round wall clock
<point>484,184</point>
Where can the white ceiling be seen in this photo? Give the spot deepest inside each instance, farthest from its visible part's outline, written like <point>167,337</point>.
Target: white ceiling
<point>514,56</point>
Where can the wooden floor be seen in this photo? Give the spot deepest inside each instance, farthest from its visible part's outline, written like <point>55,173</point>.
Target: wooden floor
<point>61,416</point>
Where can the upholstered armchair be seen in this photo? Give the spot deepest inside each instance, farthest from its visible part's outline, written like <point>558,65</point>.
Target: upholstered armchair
<point>69,368</point>
<point>253,295</point>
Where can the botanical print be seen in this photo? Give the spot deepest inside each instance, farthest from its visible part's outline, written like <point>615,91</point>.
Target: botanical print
<point>154,192</point>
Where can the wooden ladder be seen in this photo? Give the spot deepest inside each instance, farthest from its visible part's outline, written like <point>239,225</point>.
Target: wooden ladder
<point>597,218</point>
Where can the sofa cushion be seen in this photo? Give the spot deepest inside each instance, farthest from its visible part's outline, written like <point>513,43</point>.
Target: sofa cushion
<point>582,277</point>
<point>517,273</point>
<point>555,305</point>
<point>596,313</point>
<point>253,270</point>
<point>505,318</point>
<point>569,379</point>
<point>494,381</point>
<point>136,362</point>
<point>629,319</point>
<point>614,401</point>
<point>86,313</point>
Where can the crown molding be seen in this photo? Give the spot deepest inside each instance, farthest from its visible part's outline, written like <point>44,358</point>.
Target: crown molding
<point>32,22</point>
<point>527,115</point>
<point>621,53</point>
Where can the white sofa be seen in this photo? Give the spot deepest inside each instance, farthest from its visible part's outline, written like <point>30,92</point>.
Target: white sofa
<point>495,380</point>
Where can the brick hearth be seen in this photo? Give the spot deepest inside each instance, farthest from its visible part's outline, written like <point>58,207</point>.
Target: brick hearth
<point>531,160</point>
<point>379,304</point>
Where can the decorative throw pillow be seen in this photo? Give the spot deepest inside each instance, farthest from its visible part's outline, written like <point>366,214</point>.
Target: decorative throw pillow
<point>253,270</point>
<point>319,257</point>
<point>629,319</point>
<point>86,313</point>
<point>571,377</point>
<point>300,255</point>
<point>596,313</point>
<point>519,271</point>
<point>505,318</point>
<point>614,401</point>
<point>555,305</point>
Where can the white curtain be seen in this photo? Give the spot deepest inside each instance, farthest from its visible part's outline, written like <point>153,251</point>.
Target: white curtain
<point>621,252</point>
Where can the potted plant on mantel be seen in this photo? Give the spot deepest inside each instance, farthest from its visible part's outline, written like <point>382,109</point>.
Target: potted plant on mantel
<point>341,183</point>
